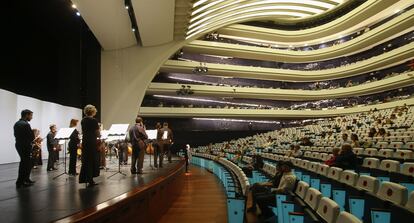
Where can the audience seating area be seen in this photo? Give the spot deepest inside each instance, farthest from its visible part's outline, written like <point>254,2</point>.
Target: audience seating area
<point>380,189</point>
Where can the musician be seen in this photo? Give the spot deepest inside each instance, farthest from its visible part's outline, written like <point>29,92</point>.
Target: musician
<point>165,135</point>
<point>158,149</point>
<point>90,153</point>
<point>52,145</point>
<point>187,156</point>
<point>37,149</point>
<point>24,138</point>
<point>122,152</point>
<point>74,143</point>
<point>138,136</point>
<point>102,151</point>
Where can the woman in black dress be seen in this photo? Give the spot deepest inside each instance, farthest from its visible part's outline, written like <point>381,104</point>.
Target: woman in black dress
<point>73,147</point>
<point>90,153</point>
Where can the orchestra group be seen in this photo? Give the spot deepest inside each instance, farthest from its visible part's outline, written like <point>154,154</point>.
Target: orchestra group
<point>88,146</point>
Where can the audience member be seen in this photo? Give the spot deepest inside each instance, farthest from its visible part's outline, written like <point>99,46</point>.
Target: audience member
<point>346,158</point>
<point>331,161</point>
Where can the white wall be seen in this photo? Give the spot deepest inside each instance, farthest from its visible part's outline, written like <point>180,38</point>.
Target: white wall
<point>44,114</point>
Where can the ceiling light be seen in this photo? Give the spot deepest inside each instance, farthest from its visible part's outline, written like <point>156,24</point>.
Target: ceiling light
<point>78,13</point>
<point>133,29</point>
<point>126,7</point>
<point>199,3</point>
<point>74,6</point>
<point>237,120</point>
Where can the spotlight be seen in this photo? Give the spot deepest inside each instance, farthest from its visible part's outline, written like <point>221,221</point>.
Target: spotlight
<point>74,6</point>
<point>78,13</point>
<point>133,29</point>
<point>126,7</point>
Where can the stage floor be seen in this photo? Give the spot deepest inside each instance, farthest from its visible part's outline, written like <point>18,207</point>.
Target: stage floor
<point>50,200</point>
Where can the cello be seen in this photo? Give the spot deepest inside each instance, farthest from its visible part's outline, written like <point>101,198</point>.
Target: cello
<point>150,149</point>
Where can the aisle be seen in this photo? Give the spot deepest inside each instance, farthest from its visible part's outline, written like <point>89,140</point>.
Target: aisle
<point>202,200</point>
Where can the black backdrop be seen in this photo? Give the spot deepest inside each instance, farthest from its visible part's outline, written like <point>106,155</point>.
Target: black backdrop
<point>49,53</point>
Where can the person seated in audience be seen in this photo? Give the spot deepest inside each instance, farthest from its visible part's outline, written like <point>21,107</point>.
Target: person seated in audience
<point>237,157</point>
<point>345,139</point>
<point>261,188</point>
<point>331,161</point>
<point>329,136</point>
<point>381,133</point>
<point>372,132</point>
<point>306,142</point>
<point>286,185</point>
<point>355,141</point>
<point>295,152</point>
<point>346,158</point>
<point>257,164</point>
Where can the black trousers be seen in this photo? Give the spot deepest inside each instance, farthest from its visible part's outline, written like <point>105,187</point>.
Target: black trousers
<point>257,191</point>
<point>264,201</point>
<point>51,159</point>
<point>25,165</point>
<point>158,154</point>
<point>137,158</point>
<point>72,160</point>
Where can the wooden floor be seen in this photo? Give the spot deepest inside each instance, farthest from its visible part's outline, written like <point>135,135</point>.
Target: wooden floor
<point>202,200</point>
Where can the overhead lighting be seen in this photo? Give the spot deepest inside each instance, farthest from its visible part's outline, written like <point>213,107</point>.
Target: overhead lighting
<point>126,7</point>
<point>74,6</point>
<point>207,100</point>
<point>78,13</point>
<point>133,29</point>
<point>199,3</point>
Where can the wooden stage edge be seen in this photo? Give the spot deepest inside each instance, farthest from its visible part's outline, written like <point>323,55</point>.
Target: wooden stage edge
<point>142,204</point>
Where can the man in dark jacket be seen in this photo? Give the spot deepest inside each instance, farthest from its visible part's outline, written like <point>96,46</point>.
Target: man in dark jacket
<point>24,138</point>
<point>346,158</point>
<point>165,139</point>
<point>138,136</point>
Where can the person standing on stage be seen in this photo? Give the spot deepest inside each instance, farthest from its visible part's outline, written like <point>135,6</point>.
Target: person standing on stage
<point>52,144</point>
<point>137,137</point>
<point>24,138</point>
<point>37,149</point>
<point>90,153</point>
<point>158,152</point>
<point>166,136</point>
<point>74,142</point>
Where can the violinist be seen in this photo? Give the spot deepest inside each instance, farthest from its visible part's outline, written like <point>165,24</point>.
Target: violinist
<point>37,149</point>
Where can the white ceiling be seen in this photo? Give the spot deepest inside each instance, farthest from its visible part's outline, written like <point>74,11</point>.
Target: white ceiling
<point>109,22</point>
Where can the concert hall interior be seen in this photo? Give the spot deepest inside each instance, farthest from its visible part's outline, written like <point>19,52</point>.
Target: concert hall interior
<point>239,111</point>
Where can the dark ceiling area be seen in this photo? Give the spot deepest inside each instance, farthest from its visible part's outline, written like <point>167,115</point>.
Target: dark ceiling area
<point>50,53</point>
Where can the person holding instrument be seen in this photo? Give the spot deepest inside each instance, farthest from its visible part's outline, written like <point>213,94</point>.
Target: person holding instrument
<point>165,135</point>
<point>52,146</point>
<point>90,153</point>
<point>74,142</point>
<point>37,149</point>
<point>24,138</point>
<point>138,136</point>
<point>158,149</point>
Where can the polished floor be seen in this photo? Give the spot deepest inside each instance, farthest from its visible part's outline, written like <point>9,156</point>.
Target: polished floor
<point>202,200</point>
<point>50,199</point>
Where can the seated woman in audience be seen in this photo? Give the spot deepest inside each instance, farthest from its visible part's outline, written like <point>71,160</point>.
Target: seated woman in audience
<point>331,161</point>
<point>295,152</point>
<point>355,141</point>
<point>346,158</point>
<point>306,142</point>
<point>372,132</point>
<point>381,133</point>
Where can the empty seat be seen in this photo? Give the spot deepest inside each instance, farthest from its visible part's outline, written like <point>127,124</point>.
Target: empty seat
<point>358,151</point>
<point>368,183</point>
<point>407,168</point>
<point>403,154</point>
<point>393,192</point>
<point>312,198</point>
<point>370,152</point>
<point>323,169</point>
<point>410,202</point>
<point>334,173</point>
<point>349,177</point>
<point>387,153</point>
<point>382,145</point>
<point>304,164</point>
<point>345,217</point>
<point>390,166</point>
<point>372,163</point>
<point>396,145</point>
<point>328,210</point>
<point>313,167</point>
<point>301,189</point>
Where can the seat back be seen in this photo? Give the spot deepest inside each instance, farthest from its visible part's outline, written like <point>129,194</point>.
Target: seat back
<point>408,169</point>
<point>368,183</point>
<point>334,173</point>
<point>312,197</point>
<point>349,177</point>
<point>301,189</point>
<point>387,153</point>
<point>390,166</point>
<point>403,154</point>
<point>358,151</point>
<point>328,210</point>
<point>371,152</point>
<point>345,217</point>
<point>313,167</point>
<point>372,163</point>
<point>393,192</point>
<point>323,169</point>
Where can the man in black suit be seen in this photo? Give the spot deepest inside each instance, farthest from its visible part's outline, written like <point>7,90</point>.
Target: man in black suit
<point>52,145</point>
<point>24,138</point>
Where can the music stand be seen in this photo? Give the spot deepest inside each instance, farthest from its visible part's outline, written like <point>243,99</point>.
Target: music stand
<point>117,132</point>
<point>63,134</point>
<point>152,135</point>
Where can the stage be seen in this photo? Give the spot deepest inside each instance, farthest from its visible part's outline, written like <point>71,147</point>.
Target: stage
<point>49,200</point>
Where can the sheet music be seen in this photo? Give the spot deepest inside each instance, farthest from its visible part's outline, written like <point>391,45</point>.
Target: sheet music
<point>165,135</point>
<point>152,133</point>
<point>118,129</point>
<point>64,133</point>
